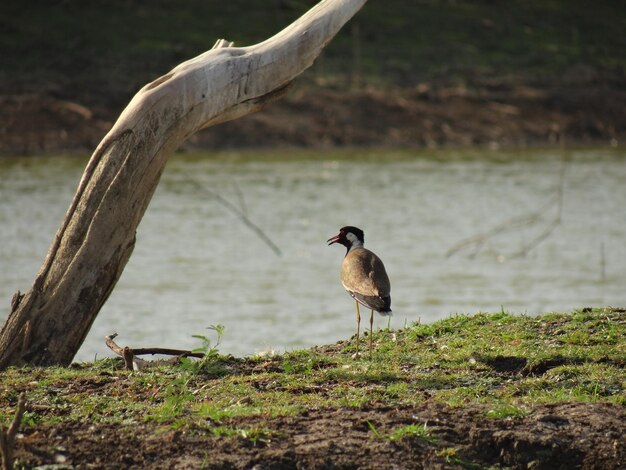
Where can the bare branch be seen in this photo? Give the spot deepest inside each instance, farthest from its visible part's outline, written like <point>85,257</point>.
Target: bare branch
<point>134,363</point>
<point>555,222</point>
<point>240,214</point>
<point>515,223</point>
<point>242,201</point>
<point>7,435</point>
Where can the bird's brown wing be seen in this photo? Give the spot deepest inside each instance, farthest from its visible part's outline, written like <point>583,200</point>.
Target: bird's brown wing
<point>363,273</point>
<point>380,304</point>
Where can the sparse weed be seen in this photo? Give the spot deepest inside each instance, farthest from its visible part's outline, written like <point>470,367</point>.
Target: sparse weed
<point>412,431</point>
<point>506,411</point>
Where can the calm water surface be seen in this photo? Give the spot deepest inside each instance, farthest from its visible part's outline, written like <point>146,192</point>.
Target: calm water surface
<point>195,264</point>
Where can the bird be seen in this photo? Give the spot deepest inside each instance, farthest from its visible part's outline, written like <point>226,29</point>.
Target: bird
<point>363,275</point>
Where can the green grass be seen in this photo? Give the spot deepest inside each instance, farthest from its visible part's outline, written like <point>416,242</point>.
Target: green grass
<point>112,48</point>
<point>508,363</point>
<point>411,431</point>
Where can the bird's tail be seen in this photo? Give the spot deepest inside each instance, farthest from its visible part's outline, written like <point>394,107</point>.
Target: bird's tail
<point>386,309</point>
<point>381,304</point>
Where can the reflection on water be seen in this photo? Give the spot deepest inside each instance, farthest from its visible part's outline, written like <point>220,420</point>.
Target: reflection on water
<point>195,264</point>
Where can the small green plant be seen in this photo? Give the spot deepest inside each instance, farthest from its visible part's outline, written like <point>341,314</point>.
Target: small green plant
<point>451,456</point>
<point>408,431</point>
<point>210,351</point>
<point>177,395</point>
<point>412,430</point>
<point>177,392</point>
<point>506,411</point>
<point>374,430</point>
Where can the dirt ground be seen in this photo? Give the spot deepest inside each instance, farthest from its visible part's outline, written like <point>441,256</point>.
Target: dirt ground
<point>493,114</point>
<point>566,436</point>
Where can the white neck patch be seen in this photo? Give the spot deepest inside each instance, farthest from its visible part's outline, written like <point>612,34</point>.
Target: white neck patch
<point>354,240</point>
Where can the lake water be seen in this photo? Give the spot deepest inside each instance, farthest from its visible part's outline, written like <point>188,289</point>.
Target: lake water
<point>196,264</point>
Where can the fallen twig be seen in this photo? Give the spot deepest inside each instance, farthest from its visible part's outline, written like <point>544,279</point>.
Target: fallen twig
<point>7,435</point>
<point>134,363</point>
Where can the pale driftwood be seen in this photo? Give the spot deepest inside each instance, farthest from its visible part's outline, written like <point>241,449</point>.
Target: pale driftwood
<point>48,324</point>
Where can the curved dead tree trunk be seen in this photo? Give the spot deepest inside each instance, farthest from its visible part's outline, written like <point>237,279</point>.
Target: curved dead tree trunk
<point>48,324</point>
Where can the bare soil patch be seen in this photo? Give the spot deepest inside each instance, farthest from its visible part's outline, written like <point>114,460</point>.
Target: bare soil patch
<point>494,113</point>
<point>573,435</point>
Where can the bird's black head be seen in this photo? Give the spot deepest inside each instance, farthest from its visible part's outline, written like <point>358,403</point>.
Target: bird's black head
<point>348,236</point>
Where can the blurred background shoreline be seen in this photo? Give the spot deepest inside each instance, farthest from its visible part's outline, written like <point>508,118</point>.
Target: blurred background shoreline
<point>419,74</point>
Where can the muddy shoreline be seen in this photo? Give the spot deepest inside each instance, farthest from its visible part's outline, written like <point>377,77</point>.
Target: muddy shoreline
<point>492,114</point>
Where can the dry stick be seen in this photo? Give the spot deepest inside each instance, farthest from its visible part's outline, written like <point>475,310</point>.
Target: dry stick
<point>518,222</point>
<point>241,215</point>
<point>242,200</point>
<point>557,220</point>
<point>7,436</point>
<point>167,352</point>
<point>511,224</point>
<point>125,352</point>
<point>129,358</point>
<point>129,353</point>
<point>537,240</point>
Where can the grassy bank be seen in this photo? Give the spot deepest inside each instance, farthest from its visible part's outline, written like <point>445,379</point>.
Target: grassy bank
<point>108,50</point>
<point>468,391</point>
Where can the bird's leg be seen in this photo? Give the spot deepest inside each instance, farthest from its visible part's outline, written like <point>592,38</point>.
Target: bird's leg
<point>371,329</point>
<point>358,326</point>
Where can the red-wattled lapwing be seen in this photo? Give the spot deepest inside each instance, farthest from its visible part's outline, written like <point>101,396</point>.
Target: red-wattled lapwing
<point>363,275</point>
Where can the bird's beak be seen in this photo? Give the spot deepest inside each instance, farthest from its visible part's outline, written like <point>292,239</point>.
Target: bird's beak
<point>334,239</point>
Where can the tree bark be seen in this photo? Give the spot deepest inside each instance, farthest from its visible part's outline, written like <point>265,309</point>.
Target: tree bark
<point>47,325</point>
